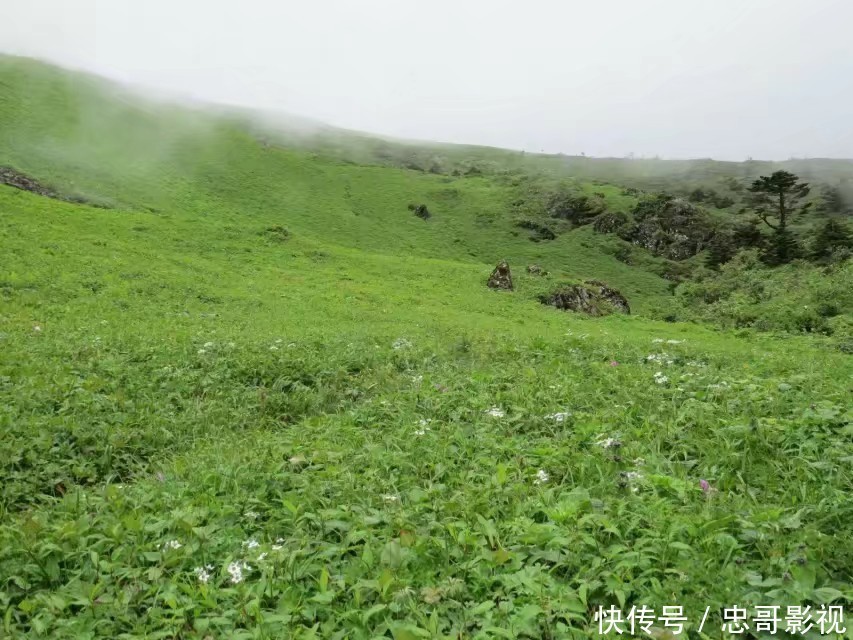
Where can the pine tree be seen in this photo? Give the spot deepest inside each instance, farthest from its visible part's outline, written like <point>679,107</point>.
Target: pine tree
<point>782,248</point>
<point>720,250</point>
<point>832,235</point>
<point>777,197</point>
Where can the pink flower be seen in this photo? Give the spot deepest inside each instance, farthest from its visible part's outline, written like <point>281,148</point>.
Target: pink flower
<point>613,363</point>
<point>705,486</point>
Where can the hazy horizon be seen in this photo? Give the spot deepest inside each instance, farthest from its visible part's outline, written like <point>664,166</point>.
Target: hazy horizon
<point>671,78</point>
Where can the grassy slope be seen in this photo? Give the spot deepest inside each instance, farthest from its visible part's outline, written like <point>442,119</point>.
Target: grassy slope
<point>83,137</point>
<point>193,378</point>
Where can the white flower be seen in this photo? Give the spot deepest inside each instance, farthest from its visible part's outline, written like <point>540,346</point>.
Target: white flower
<point>674,341</point>
<point>660,357</point>
<point>417,379</point>
<point>609,443</point>
<point>208,345</point>
<point>657,340</point>
<point>36,328</point>
<point>660,378</point>
<point>401,343</point>
<point>279,543</point>
<point>201,352</point>
<point>203,573</point>
<point>279,341</point>
<point>631,476</point>
<point>273,348</point>
<point>558,417</point>
<point>262,556</point>
<point>541,477</point>
<point>389,497</point>
<point>251,544</point>
<point>236,570</point>
<point>251,515</point>
<point>495,412</point>
<point>171,544</point>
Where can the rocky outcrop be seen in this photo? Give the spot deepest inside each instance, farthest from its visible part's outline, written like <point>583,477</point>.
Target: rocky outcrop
<point>616,299</point>
<point>20,181</point>
<point>609,221</point>
<point>536,270</point>
<point>24,182</point>
<point>501,277</point>
<point>593,298</point>
<point>669,227</point>
<point>421,211</point>
<point>538,231</point>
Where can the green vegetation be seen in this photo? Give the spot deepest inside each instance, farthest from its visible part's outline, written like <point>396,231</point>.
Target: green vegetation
<point>251,394</point>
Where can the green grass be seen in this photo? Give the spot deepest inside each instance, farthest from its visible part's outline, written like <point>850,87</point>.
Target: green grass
<point>171,370</point>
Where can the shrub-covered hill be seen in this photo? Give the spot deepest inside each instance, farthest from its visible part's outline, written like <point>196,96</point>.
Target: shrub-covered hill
<point>246,393</point>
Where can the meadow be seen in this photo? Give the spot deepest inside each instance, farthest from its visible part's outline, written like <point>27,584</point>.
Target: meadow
<point>245,393</point>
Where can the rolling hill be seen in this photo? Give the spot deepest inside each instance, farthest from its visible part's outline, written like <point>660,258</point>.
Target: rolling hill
<point>246,393</point>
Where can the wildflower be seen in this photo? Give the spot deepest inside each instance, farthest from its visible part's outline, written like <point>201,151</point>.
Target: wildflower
<point>660,378</point>
<point>251,544</point>
<point>389,497</point>
<point>423,427</point>
<point>208,345</point>
<point>236,569</point>
<point>37,328</point>
<point>495,412</point>
<point>657,340</point>
<point>274,348</point>
<point>279,543</point>
<point>262,556</point>
<point>613,363</point>
<point>417,379</point>
<point>706,487</point>
<point>171,544</point>
<point>541,477</point>
<point>558,417</point>
<point>251,515</point>
<point>201,352</point>
<point>203,573</point>
<point>279,341</point>
<point>674,341</point>
<point>609,443</point>
<point>631,476</point>
<point>660,357</point>
<point>401,343</point>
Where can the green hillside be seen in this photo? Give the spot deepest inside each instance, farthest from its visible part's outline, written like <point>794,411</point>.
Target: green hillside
<point>86,138</point>
<point>246,393</point>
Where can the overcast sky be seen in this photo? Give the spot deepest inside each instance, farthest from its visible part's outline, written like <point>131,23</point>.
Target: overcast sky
<point>676,78</point>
